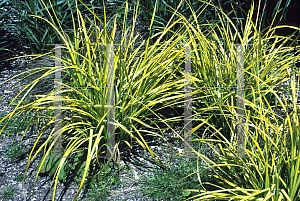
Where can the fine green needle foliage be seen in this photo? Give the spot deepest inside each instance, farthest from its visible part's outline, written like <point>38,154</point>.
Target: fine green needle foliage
<point>20,177</point>
<point>101,186</point>
<point>168,183</point>
<point>15,150</point>
<point>13,127</point>
<point>8,193</point>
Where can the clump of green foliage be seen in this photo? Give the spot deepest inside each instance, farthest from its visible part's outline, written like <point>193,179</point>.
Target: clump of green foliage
<point>166,184</point>
<point>20,177</point>
<point>8,193</point>
<point>15,150</point>
<point>100,186</point>
<point>15,124</point>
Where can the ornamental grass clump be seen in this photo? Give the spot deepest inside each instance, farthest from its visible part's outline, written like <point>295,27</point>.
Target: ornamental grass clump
<point>269,168</point>
<point>143,77</point>
<point>267,62</point>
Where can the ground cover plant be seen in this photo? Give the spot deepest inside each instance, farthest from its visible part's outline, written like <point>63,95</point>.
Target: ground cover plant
<point>20,177</point>
<point>15,150</point>
<point>168,183</point>
<point>8,193</point>
<point>100,186</point>
<point>13,126</point>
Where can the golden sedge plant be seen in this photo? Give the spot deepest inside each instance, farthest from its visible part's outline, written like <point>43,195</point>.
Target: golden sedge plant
<point>143,77</point>
<point>214,64</point>
<point>269,170</point>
